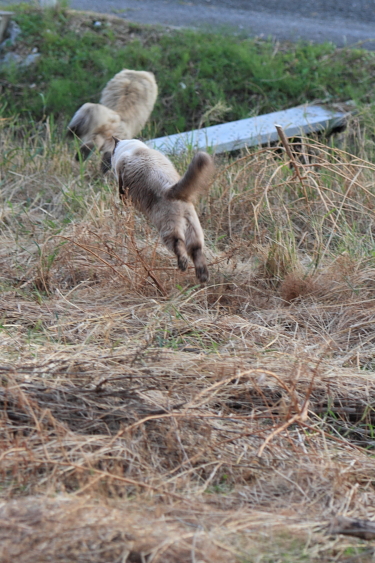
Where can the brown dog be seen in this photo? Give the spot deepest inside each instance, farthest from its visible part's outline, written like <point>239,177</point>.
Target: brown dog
<point>167,200</point>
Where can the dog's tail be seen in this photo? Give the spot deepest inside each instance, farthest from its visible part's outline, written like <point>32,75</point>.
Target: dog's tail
<point>195,180</point>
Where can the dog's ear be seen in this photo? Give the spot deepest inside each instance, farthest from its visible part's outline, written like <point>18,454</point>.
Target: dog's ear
<point>85,150</point>
<point>106,162</point>
<point>116,140</point>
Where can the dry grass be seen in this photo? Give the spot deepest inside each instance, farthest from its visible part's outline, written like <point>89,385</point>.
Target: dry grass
<point>148,419</point>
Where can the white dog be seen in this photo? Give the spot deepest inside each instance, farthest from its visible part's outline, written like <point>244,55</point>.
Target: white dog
<point>125,106</point>
<point>156,189</point>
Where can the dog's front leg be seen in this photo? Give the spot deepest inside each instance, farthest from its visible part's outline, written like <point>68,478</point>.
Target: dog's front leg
<point>122,188</point>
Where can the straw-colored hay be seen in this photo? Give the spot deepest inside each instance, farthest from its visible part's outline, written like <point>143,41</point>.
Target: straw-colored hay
<point>176,422</point>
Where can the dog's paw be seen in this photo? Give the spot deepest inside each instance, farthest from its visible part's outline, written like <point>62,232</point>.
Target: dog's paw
<point>182,263</point>
<point>202,273</point>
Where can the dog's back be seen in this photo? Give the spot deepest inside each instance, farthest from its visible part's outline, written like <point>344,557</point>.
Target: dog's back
<point>132,94</point>
<point>143,170</point>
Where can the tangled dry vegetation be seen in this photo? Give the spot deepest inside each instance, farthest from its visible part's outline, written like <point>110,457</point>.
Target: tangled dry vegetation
<point>145,418</point>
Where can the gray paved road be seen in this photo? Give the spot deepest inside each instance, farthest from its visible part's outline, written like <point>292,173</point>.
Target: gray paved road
<point>340,21</point>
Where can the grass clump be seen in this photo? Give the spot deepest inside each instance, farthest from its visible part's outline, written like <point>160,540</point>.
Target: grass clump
<point>196,72</point>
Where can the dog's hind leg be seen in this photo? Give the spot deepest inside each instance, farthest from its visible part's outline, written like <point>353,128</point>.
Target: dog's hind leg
<point>177,245</point>
<point>179,249</point>
<point>200,263</point>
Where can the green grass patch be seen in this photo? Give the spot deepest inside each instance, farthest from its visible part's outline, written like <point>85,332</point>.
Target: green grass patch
<point>203,78</point>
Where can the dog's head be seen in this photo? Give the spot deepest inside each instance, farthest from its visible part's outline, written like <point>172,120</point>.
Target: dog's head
<point>85,150</point>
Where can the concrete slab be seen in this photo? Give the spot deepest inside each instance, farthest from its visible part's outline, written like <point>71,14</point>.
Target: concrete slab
<point>253,131</point>
<point>4,22</point>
